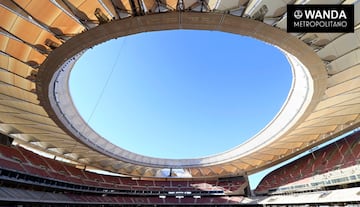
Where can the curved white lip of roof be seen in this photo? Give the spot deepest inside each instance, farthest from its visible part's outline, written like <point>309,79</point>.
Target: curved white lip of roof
<point>297,101</point>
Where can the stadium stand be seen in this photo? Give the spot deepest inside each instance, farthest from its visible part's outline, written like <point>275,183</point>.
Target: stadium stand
<point>339,155</point>
<point>32,196</point>
<point>33,176</point>
<point>26,169</point>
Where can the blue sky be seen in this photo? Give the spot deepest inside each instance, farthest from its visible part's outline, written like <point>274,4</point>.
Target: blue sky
<point>182,93</point>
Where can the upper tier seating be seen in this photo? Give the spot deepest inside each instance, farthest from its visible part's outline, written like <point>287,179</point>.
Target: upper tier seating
<point>340,154</point>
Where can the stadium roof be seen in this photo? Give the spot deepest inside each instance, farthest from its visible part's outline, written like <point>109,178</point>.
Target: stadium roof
<point>41,41</point>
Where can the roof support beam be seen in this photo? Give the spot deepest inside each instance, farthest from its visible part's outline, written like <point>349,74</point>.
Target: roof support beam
<point>137,7</point>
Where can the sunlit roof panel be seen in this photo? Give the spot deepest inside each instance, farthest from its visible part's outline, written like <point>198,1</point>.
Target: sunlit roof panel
<point>15,80</point>
<point>54,18</point>
<point>345,87</point>
<point>21,51</point>
<point>7,18</point>
<point>24,107</point>
<point>88,7</point>
<point>188,3</point>
<point>149,4</point>
<point>349,60</point>
<point>18,93</point>
<point>25,30</point>
<point>172,3</point>
<point>14,66</point>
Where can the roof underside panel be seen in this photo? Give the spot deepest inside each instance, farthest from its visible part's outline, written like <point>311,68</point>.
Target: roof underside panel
<point>54,18</point>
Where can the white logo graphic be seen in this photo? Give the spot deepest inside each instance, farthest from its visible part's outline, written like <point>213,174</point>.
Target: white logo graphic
<point>298,14</point>
<point>324,14</point>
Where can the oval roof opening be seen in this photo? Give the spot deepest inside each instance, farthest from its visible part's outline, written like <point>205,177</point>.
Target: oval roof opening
<point>180,94</point>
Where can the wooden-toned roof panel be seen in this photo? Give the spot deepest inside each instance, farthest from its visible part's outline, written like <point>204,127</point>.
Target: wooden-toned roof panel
<point>172,3</point>
<point>331,112</point>
<point>111,8</point>
<point>23,107</point>
<point>227,5</point>
<point>41,121</point>
<point>315,130</point>
<point>57,139</point>
<point>14,66</point>
<point>298,138</point>
<point>88,7</point>
<point>338,100</point>
<point>17,81</point>
<point>344,87</point>
<point>189,3</point>
<point>340,46</point>
<point>355,102</point>
<point>234,168</point>
<point>26,128</point>
<point>122,5</point>
<point>24,83</point>
<point>149,3</point>
<point>25,30</point>
<point>20,51</point>
<point>9,118</point>
<point>263,156</point>
<point>346,111</point>
<point>326,121</point>
<point>239,167</point>
<point>19,94</point>
<point>283,147</point>
<point>32,128</point>
<point>345,75</point>
<point>345,62</point>
<point>54,18</point>
<point>4,109</point>
<point>7,19</point>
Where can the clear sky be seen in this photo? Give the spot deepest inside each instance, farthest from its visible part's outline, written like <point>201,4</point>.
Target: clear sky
<point>182,93</point>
